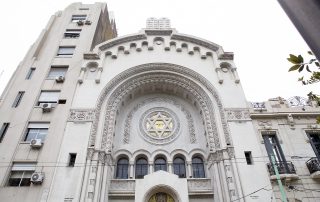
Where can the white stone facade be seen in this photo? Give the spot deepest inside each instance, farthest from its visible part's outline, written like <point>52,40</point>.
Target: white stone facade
<point>143,117</point>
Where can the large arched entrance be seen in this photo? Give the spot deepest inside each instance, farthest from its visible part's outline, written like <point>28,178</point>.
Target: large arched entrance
<point>161,197</point>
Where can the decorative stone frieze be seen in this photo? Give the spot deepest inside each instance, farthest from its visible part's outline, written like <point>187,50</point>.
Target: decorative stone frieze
<point>81,115</point>
<point>122,185</point>
<point>199,185</point>
<point>238,115</point>
<point>121,40</point>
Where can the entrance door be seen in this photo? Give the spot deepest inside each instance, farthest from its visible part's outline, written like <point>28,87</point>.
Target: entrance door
<point>161,197</point>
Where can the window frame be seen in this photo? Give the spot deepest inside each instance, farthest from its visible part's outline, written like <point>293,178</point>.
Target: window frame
<point>122,171</point>
<point>39,128</point>
<point>311,133</point>
<point>51,100</point>
<point>52,76</point>
<point>72,33</point>
<point>21,168</point>
<point>141,168</point>
<point>182,173</point>
<point>3,130</point>
<point>198,170</point>
<point>78,17</point>
<point>160,165</point>
<point>18,99</point>
<point>30,73</point>
<point>66,52</point>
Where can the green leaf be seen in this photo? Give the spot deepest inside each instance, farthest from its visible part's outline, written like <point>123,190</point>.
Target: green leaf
<point>307,68</point>
<point>317,64</point>
<point>294,67</point>
<point>301,68</point>
<point>310,53</point>
<point>300,79</point>
<point>293,59</point>
<point>300,59</point>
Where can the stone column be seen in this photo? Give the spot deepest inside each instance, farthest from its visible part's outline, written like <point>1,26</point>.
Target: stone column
<point>98,77</point>
<point>83,193</point>
<point>100,164</point>
<point>170,167</point>
<point>80,78</point>
<point>131,164</point>
<point>150,167</point>
<point>189,164</point>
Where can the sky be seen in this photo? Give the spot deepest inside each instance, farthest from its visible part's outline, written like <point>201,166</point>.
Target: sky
<point>258,32</point>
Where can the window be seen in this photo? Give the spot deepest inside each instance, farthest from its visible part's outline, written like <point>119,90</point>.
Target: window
<point>314,137</point>
<point>21,174</point>
<point>65,50</point>
<point>160,164</point>
<point>198,168</point>
<point>72,159</point>
<point>77,18</point>
<point>57,71</point>
<point>179,167</point>
<point>3,130</point>
<point>30,73</point>
<point>72,33</point>
<point>122,168</point>
<point>273,148</point>
<point>48,97</point>
<point>18,99</point>
<point>36,131</point>
<point>141,168</point>
<point>248,156</point>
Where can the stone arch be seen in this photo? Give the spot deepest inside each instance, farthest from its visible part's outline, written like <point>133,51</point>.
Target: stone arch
<point>122,153</point>
<point>160,152</point>
<point>185,78</point>
<point>162,188</point>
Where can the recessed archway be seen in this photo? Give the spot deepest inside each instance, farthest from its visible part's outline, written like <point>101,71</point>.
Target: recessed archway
<point>159,74</point>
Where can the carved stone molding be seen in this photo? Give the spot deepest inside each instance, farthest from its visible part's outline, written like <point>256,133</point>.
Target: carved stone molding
<point>122,185</point>
<point>199,185</point>
<point>154,72</point>
<point>118,41</point>
<point>126,135</point>
<point>90,152</point>
<point>81,115</point>
<point>238,115</point>
<point>158,32</point>
<point>265,124</point>
<point>209,45</point>
<point>91,56</point>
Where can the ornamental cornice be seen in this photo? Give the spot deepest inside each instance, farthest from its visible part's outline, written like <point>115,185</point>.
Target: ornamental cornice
<point>81,115</point>
<point>125,39</point>
<point>211,46</point>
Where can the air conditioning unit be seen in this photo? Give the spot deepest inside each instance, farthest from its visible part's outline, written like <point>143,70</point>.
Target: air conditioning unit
<point>46,107</point>
<point>35,143</point>
<point>88,22</point>
<point>37,178</point>
<point>80,23</point>
<point>60,79</point>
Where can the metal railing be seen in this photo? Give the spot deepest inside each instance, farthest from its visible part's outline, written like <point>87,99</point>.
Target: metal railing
<point>284,167</point>
<point>313,165</point>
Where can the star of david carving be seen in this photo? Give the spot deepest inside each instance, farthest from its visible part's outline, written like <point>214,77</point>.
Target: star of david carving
<point>159,125</point>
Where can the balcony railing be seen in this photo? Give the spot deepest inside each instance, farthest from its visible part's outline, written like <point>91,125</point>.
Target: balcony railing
<point>283,168</point>
<point>313,165</point>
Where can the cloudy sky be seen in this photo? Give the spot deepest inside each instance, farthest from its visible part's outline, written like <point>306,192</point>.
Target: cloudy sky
<point>258,32</point>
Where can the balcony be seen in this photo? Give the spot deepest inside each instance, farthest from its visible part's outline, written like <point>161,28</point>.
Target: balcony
<point>286,171</point>
<point>313,165</point>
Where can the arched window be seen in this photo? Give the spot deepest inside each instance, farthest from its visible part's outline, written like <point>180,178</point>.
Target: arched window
<point>122,168</point>
<point>198,168</point>
<point>160,164</point>
<point>179,167</point>
<point>141,168</point>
